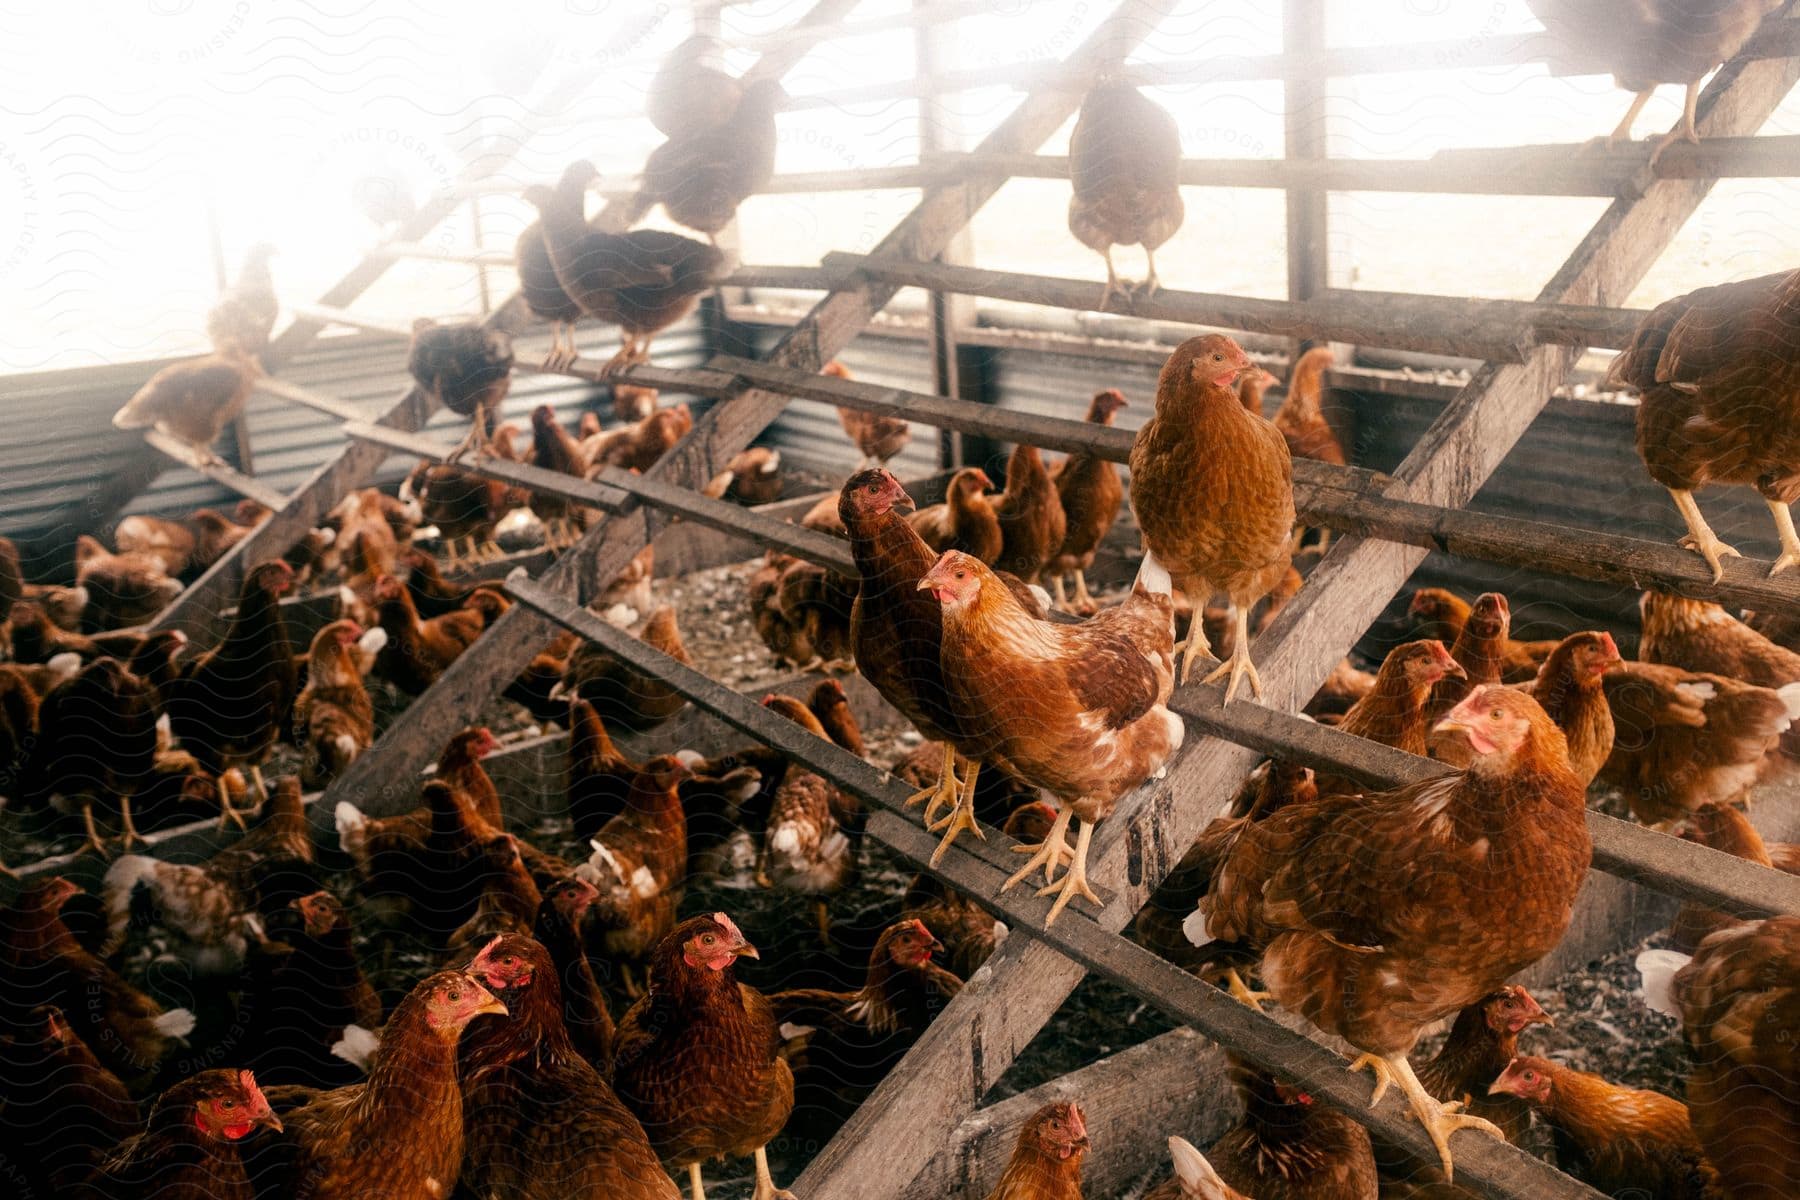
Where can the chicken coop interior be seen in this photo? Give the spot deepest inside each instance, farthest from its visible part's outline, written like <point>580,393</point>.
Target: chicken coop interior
<point>901,599</point>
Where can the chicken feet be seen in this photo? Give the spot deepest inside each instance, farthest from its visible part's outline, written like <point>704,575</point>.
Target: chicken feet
<point>1085,604</point>
<point>631,353</point>
<point>1075,879</point>
<point>1700,537</point>
<point>1686,131</point>
<point>1195,643</point>
<point>562,347</point>
<point>1623,132</point>
<point>1439,1119</point>
<point>1790,540</point>
<point>696,1187</point>
<point>227,813</point>
<point>475,439</point>
<point>1241,992</point>
<point>1238,665</point>
<point>765,1182</point>
<point>944,791</point>
<point>962,815</point>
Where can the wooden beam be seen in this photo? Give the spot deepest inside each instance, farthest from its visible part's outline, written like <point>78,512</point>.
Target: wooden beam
<point>1488,1166</point>
<point>976,1038</point>
<point>244,485</point>
<point>307,398</point>
<point>1303,123</point>
<point>1494,330</point>
<point>325,316</point>
<point>1348,499</point>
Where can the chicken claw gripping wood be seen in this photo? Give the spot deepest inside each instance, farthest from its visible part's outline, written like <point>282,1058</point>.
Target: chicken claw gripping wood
<point>1439,1119</point>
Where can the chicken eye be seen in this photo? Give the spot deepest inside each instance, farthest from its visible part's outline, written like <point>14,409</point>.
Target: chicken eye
<point>1496,714</point>
<point>454,996</point>
<point>228,1104</point>
<point>708,940</point>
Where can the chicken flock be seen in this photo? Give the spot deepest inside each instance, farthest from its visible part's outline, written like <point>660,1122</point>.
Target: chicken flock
<point>567,1021</point>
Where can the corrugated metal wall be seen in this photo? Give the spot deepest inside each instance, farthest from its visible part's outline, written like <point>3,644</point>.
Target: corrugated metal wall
<point>64,445</point>
<point>1576,466</point>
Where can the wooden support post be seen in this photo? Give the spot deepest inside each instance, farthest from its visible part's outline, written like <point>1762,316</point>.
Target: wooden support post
<point>973,1042</point>
<point>1303,120</point>
<point>940,128</point>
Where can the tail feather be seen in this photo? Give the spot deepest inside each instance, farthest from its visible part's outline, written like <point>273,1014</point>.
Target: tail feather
<point>352,829</point>
<point>357,1047</point>
<point>1790,699</point>
<point>1196,1174</point>
<point>176,1023</point>
<point>1658,968</point>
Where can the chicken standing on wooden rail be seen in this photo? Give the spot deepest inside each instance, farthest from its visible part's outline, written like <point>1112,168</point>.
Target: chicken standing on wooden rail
<point>1651,42</point>
<point>1213,490</point>
<point>1717,373</point>
<point>1125,168</point>
<point>1377,915</point>
<point>1077,710</point>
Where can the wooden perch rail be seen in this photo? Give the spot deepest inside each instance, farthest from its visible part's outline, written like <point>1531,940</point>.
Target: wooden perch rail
<point>1493,330</point>
<point>1347,499</point>
<point>1490,1167</point>
<point>244,485</point>
<point>331,406</point>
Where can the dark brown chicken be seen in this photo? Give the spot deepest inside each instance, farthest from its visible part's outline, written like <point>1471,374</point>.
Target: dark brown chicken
<point>464,506</point>
<point>417,652</point>
<point>807,846</point>
<point>56,1098</point>
<point>701,175</point>
<point>193,401</point>
<point>1739,1003</point>
<point>1441,614</point>
<point>851,1040</point>
<point>1046,1162</point>
<point>1719,390</point>
<point>697,1058</point>
<point>1030,512</point>
<point>543,292</point>
<point>553,449</point>
<point>303,993</point>
<point>638,447</point>
<point>965,520</point>
<point>560,921</point>
<point>189,1149</point>
<point>1652,42</point>
<point>42,963</point>
<point>642,281</point>
<point>121,589</point>
<point>232,703</point>
<point>1089,488</point>
<point>1213,490</point>
<point>752,476</point>
<point>1682,738</point>
<point>1290,1147</point>
<point>600,775</point>
<point>96,745</point>
<point>540,1122</point>
<point>1125,169</point>
<point>467,368</point>
<point>1480,650</point>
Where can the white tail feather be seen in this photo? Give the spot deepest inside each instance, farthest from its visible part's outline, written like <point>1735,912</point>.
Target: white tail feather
<point>373,641</point>
<point>357,1047</point>
<point>67,664</point>
<point>1196,1174</point>
<point>1658,969</point>
<point>116,889</point>
<point>1194,928</point>
<point>786,839</point>
<point>1154,577</point>
<point>1790,699</point>
<point>774,463</point>
<point>352,827</point>
<point>687,758</point>
<point>176,1023</point>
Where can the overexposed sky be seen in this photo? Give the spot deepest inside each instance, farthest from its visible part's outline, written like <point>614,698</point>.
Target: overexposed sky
<point>128,127</point>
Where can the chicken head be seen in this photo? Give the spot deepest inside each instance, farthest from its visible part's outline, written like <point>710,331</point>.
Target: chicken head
<point>456,999</point>
<point>230,1105</point>
<point>1496,720</point>
<point>1059,1130</point>
<point>508,962</point>
<point>912,944</point>
<point>953,580</point>
<point>870,493</point>
<point>717,944</point>
<point>1512,1008</point>
<point>1526,1078</point>
<point>1214,359</point>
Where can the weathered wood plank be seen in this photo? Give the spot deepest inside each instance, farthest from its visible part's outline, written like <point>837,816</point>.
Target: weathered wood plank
<point>331,406</point>
<point>978,1036</point>
<point>244,485</point>
<point>1489,1167</point>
